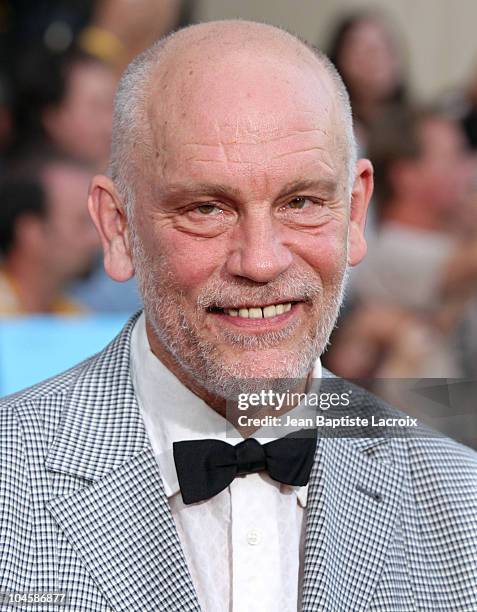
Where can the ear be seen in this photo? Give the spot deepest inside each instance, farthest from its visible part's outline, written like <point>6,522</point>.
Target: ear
<point>360,196</point>
<point>108,214</point>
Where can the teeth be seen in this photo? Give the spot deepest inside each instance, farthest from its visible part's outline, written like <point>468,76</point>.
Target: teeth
<point>257,312</point>
<point>269,311</point>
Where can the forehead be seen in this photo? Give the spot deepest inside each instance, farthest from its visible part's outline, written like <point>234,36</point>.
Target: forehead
<point>243,117</point>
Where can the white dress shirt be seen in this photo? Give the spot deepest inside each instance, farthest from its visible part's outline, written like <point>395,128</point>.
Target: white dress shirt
<point>244,546</point>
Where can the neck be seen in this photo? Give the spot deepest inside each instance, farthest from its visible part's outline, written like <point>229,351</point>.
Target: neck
<point>411,213</point>
<point>216,402</point>
<point>36,289</point>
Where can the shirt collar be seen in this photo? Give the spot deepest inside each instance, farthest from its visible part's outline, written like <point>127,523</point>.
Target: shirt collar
<point>171,412</point>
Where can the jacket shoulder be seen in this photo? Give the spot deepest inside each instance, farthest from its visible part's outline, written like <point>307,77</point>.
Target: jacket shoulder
<point>443,467</point>
<point>33,414</point>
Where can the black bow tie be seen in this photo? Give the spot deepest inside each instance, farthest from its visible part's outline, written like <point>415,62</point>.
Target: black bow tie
<point>206,467</point>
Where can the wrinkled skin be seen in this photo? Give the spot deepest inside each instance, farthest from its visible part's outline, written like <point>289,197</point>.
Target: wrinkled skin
<point>244,202</point>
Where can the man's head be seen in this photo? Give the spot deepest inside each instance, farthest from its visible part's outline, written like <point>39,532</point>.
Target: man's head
<point>365,51</point>
<point>79,122</point>
<point>233,185</point>
<point>420,159</point>
<point>71,109</point>
<point>44,218</point>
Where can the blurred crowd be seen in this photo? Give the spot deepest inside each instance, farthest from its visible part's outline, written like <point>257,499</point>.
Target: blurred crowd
<point>411,306</point>
<point>60,61</point>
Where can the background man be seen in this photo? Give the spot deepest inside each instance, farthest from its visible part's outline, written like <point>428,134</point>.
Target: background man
<point>47,239</point>
<point>425,175</point>
<point>72,111</point>
<point>235,196</point>
<point>418,260</point>
<point>409,294</point>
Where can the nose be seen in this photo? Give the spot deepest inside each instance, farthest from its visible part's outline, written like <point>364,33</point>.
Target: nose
<point>259,252</point>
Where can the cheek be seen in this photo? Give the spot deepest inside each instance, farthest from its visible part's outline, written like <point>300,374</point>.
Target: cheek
<point>325,253</point>
<point>191,260</point>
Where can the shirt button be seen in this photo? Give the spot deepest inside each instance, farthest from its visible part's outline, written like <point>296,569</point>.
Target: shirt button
<point>253,537</point>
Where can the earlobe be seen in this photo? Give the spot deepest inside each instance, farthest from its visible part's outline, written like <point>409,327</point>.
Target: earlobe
<point>360,196</point>
<point>107,212</point>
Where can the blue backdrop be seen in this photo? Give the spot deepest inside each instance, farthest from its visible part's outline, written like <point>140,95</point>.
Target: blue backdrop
<point>35,348</point>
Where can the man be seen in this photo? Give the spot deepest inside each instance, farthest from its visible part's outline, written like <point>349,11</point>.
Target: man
<point>234,196</point>
<point>423,175</point>
<point>73,112</point>
<point>409,295</point>
<point>47,239</point>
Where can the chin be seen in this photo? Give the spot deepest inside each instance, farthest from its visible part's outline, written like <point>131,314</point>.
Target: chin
<point>262,364</point>
<point>229,387</point>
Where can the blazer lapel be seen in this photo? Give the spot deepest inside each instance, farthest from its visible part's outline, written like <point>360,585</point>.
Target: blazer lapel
<point>353,502</point>
<point>120,523</point>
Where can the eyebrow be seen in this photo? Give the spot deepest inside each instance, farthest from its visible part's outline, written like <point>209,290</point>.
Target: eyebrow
<point>328,186</point>
<point>174,190</point>
<point>209,189</point>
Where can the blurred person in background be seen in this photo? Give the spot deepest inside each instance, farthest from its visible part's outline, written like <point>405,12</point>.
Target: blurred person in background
<point>419,271</point>
<point>461,103</point>
<point>366,53</point>
<point>46,236</point>
<point>365,50</point>
<point>68,56</point>
<point>120,29</point>
<point>412,295</point>
<point>423,176</point>
<point>65,100</point>
<point>80,122</point>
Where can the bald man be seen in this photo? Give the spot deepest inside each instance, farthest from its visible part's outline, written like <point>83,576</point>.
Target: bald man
<point>131,482</point>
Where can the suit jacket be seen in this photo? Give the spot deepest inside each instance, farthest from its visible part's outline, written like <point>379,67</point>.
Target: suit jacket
<point>83,508</point>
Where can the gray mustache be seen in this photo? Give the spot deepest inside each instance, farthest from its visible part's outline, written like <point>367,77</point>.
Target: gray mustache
<point>224,294</point>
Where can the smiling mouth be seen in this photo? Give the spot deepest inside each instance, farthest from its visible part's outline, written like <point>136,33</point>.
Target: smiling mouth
<point>254,312</point>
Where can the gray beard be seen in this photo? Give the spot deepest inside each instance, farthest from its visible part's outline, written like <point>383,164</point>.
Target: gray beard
<point>201,359</point>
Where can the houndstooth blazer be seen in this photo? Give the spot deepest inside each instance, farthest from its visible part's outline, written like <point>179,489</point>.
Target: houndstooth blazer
<point>83,508</point>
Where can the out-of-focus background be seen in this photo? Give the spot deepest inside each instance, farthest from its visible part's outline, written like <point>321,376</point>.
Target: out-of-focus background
<point>411,71</point>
